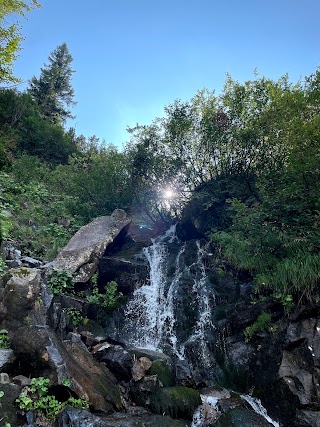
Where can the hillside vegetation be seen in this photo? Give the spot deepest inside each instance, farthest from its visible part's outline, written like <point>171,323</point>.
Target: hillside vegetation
<point>243,166</point>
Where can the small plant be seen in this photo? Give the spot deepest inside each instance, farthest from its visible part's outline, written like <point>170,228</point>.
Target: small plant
<point>260,325</point>
<point>35,397</point>
<point>74,315</point>
<point>61,282</point>
<point>4,339</point>
<point>109,299</point>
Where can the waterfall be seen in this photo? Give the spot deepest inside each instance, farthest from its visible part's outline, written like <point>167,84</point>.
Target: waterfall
<point>256,405</point>
<point>151,315</point>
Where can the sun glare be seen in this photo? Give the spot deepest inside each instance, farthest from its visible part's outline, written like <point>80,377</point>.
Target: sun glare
<point>168,193</point>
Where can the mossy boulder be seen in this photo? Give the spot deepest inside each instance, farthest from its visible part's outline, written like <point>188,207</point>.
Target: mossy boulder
<point>163,372</point>
<point>178,402</point>
<point>241,417</point>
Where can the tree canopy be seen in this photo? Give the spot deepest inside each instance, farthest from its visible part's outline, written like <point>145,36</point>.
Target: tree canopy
<point>10,35</point>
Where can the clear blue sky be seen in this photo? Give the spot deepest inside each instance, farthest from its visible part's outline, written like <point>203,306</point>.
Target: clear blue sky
<point>133,57</point>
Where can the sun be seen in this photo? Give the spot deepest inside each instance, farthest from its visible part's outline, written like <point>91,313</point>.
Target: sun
<point>168,193</point>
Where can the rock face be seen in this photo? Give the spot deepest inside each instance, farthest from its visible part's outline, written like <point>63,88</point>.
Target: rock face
<point>83,252</point>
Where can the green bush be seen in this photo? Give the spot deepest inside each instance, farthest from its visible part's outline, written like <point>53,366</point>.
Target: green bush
<point>47,407</point>
<point>260,325</point>
<point>61,282</point>
<point>4,339</point>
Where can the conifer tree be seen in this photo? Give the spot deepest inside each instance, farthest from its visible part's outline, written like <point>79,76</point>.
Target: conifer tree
<point>52,90</point>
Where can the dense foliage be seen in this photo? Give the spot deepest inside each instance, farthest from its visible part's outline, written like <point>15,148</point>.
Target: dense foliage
<point>10,35</point>
<point>242,166</point>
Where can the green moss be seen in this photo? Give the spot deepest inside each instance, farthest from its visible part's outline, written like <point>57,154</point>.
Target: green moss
<point>163,372</point>
<point>178,402</point>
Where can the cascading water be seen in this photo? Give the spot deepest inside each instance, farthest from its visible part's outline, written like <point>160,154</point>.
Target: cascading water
<point>150,313</point>
<point>177,279</point>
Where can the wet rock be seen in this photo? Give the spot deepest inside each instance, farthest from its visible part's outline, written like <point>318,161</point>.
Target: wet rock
<point>116,358</point>
<point>83,252</point>
<point>126,269</point>
<point>140,367</point>
<point>178,402</point>
<point>240,417</point>
<point>150,354</point>
<point>183,374</point>
<point>164,373</point>
<point>141,391</point>
<point>138,417</point>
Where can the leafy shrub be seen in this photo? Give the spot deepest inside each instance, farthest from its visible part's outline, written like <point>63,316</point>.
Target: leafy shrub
<point>36,397</point>
<point>61,282</point>
<point>74,315</point>
<point>4,339</point>
<point>110,299</point>
<point>260,325</point>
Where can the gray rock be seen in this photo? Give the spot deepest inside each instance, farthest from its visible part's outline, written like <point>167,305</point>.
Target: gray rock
<point>20,294</point>
<point>82,254</point>
<point>72,417</point>
<point>31,262</point>
<point>141,391</point>
<point>10,252</point>
<point>6,357</point>
<point>8,408</point>
<point>308,418</point>
<point>21,380</point>
<point>241,417</point>
<point>116,358</point>
<point>13,263</point>
<point>140,367</point>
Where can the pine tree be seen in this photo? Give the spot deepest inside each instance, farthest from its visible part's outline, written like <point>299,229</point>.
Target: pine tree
<point>52,90</point>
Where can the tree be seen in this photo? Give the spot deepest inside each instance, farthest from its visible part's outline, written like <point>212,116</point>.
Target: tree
<point>52,90</point>
<point>10,36</point>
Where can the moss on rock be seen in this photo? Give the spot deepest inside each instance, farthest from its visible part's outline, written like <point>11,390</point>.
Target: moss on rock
<point>178,402</point>
<point>163,372</point>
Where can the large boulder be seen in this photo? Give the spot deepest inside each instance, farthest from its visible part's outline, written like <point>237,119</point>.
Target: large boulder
<point>19,295</point>
<point>82,254</point>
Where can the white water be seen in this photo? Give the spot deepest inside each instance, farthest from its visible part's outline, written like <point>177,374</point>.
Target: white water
<point>150,315</point>
<point>256,405</point>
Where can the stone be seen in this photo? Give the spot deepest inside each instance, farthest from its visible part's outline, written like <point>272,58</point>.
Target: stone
<point>90,340</point>
<point>164,373</point>
<point>20,294</point>
<point>136,417</point>
<point>31,262</point>
<point>177,402</point>
<point>8,408</point>
<point>116,358</point>
<point>140,367</point>
<point>6,358</point>
<point>4,378</point>
<point>141,391</point>
<point>150,354</point>
<point>240,417</point>
<point>21,380</point>
<point>92,379</point>
<point>82,254</point>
